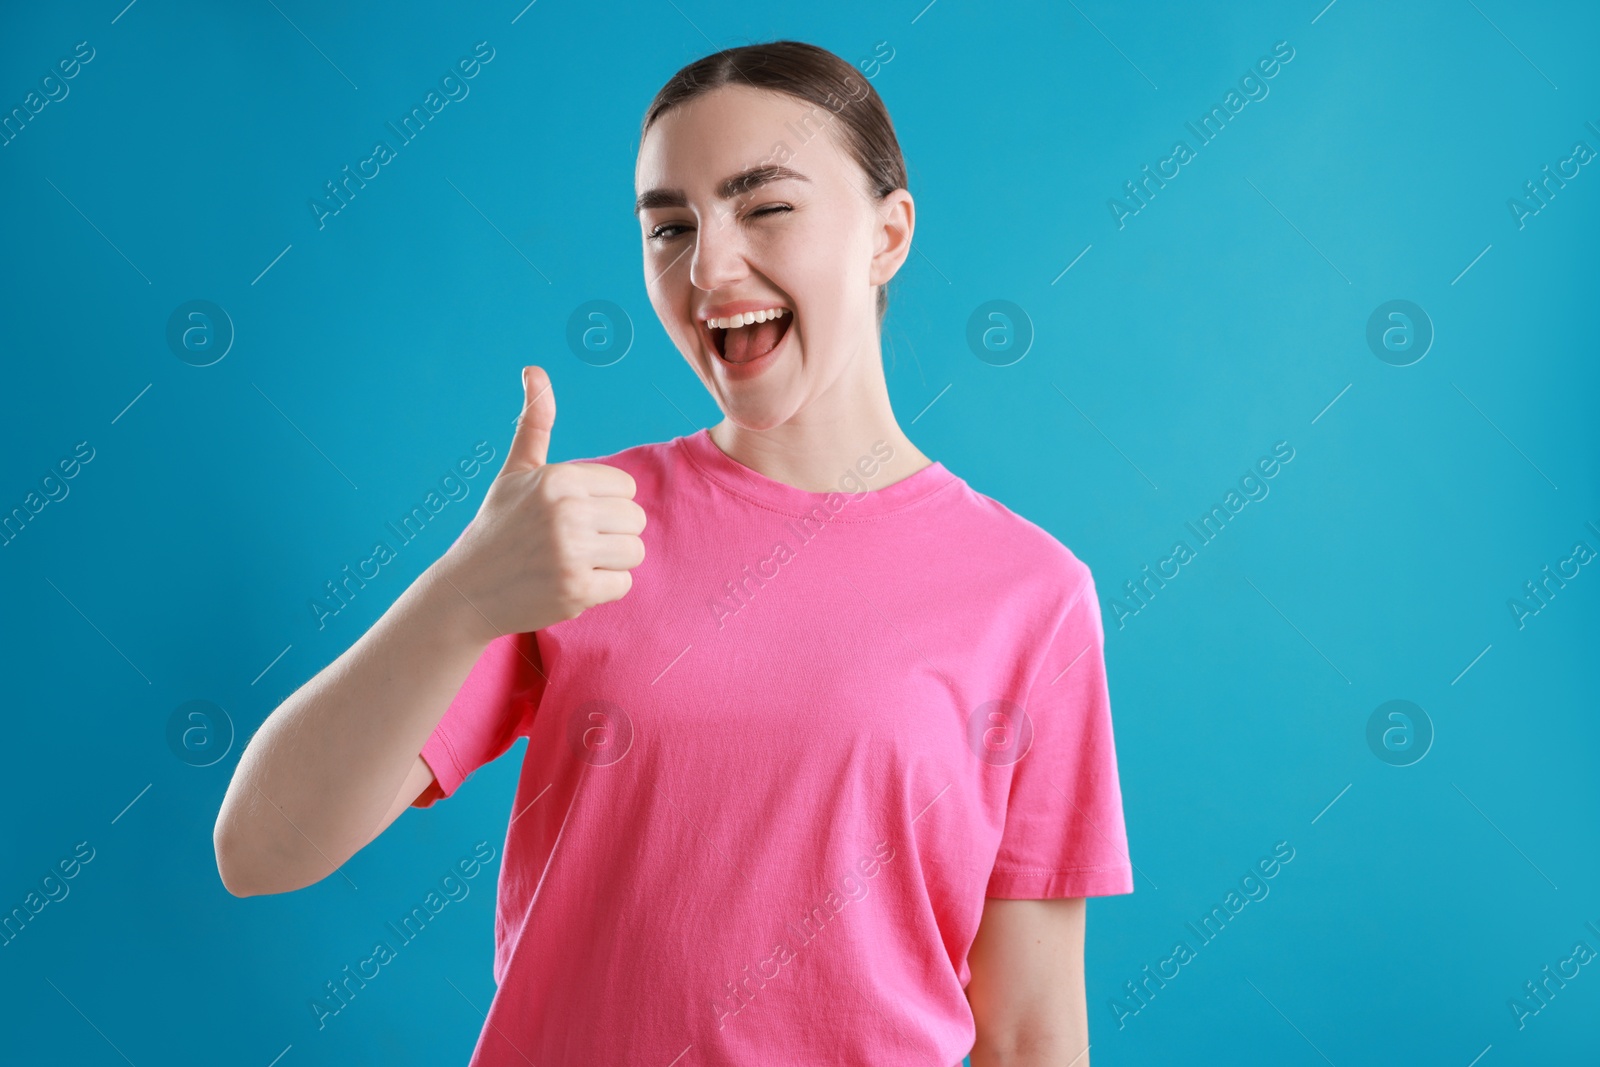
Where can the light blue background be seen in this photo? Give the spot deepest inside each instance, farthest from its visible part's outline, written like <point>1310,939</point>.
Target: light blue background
<point>1226,316</point>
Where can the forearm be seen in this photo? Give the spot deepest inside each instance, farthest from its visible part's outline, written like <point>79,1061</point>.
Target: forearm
<point>1028,1050</point>
<point>319,775</point>
<point>1027,992</point>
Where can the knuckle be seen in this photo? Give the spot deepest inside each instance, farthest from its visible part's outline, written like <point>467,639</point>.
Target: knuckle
<point>585,593</point>
<point>570,600</point>
<point>566,518</point>
<point>554,480</point>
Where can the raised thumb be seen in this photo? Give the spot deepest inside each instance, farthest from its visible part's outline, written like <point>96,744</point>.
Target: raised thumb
<point>530,444</point>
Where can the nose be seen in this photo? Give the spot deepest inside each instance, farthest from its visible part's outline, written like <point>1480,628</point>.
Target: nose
<point>719,254</point>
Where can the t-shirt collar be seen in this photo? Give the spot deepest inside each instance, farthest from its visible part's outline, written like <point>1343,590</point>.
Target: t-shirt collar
<point>847,505</point>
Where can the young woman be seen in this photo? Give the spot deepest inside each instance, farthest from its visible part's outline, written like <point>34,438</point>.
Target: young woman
<point>825,775</point>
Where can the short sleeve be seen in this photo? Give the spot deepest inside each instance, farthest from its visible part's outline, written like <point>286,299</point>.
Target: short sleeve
<point>490,711</point>
<point>1064,834</point>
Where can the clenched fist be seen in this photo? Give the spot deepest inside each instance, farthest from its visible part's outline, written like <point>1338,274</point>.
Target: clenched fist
<point>550,540</point>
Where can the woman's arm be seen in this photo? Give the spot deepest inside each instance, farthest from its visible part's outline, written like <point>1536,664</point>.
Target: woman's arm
<point>333,764</point>
<point>327,767</point>
<point>1026,990</point>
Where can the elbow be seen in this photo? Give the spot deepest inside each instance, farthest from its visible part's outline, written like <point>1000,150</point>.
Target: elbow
<point>1024,1043</point>
<point>1027,1050</point>
<point>238,864</point>
<point>246,871</point>
<point>230,846</point>
<point>230,868</point>
<point>233,886</point>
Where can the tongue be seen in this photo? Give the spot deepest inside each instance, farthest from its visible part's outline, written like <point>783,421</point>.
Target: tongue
<point>753,341</point>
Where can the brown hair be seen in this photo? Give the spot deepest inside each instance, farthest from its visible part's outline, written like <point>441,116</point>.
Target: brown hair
<point>812,74</point>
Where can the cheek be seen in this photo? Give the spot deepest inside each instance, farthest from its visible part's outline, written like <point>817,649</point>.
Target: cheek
<point>661,301</point>
<point>816,268</point>
<point>840,256</point>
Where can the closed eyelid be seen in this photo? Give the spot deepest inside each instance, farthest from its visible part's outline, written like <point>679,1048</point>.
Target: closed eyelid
<point>762,210</point>
<point>736,187</point>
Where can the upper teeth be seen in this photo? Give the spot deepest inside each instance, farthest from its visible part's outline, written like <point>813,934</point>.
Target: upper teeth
<point>733,322</point>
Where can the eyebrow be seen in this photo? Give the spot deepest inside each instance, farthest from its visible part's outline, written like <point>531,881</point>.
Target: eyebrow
<point>729,188</point>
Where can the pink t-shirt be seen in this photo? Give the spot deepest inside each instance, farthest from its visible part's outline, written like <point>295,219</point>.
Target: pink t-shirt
<point>766,792</point>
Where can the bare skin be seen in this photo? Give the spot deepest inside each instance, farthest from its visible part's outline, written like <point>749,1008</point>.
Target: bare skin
<point>817,244</point>
<point>339,760</point>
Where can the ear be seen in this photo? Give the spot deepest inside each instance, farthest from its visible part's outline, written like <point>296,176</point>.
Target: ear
<point>896,220</point>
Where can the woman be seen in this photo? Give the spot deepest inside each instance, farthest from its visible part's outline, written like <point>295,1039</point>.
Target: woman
<point>781,801</point>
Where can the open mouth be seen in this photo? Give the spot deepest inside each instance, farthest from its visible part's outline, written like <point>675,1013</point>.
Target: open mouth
<point>745,344</point>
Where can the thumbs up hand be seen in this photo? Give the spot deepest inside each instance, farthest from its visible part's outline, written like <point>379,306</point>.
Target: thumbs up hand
<point>550,540</point>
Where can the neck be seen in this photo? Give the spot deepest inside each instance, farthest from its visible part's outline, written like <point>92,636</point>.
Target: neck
<point>835,432</point>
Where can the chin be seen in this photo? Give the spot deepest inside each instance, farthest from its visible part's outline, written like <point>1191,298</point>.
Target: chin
<point>757,418</point>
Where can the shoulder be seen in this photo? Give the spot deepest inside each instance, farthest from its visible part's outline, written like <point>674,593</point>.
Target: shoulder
<point>1024,545</point>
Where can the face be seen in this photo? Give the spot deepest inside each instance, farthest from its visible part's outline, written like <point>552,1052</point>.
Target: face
<point>801,234</point>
